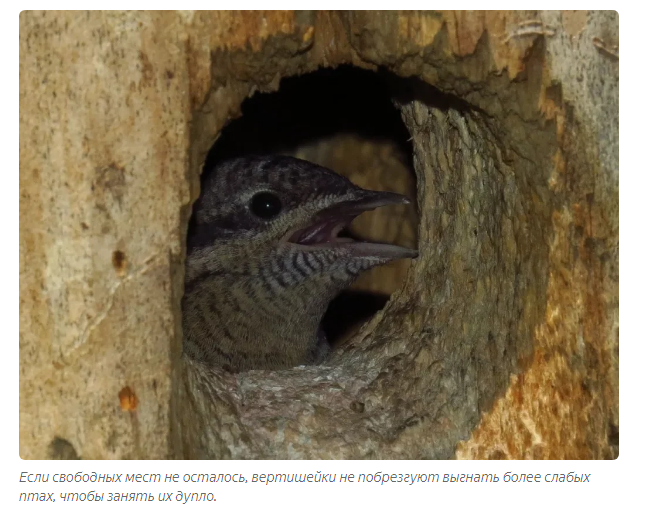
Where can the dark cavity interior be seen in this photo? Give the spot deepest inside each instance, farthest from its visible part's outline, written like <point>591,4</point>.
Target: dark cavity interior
<point>343,119</point>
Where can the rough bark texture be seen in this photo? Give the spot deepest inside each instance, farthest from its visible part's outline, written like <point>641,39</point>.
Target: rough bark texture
<point>502,341</point>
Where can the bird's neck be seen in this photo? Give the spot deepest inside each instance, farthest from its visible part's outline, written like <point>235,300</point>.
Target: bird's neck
<point>252,316</point>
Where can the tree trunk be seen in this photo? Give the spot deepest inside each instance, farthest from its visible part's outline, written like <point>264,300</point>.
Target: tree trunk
<point>501,343</point>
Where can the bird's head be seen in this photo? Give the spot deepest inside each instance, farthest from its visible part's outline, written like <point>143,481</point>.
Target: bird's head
<point>264,260</point>
<point>280,217</point>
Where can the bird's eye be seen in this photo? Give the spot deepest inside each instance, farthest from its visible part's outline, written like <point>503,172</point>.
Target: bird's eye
<point>265,205</point>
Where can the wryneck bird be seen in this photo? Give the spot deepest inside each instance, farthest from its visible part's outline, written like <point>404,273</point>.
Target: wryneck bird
<point>264,260</point>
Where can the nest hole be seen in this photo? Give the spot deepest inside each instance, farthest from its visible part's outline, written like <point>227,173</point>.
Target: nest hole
<point>343,119</point>
<point>445,346</point>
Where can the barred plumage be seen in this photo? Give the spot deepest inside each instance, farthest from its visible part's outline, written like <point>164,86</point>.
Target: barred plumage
<point>259,281</point>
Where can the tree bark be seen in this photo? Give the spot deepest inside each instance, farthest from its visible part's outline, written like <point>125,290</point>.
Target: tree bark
<point>502,341</point>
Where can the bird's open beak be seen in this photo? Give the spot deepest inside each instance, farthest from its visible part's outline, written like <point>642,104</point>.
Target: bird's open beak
<point>324,227</point>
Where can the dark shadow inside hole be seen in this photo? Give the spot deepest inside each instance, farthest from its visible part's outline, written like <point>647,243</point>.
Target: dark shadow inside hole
<point>350,309</point>
<point>305,110</point>
<point>314,106</point>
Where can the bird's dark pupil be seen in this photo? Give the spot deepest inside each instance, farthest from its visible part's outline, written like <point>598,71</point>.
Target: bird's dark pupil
<point>266,205</point>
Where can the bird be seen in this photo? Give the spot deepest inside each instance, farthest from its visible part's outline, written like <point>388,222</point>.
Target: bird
<point>264,259</point>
